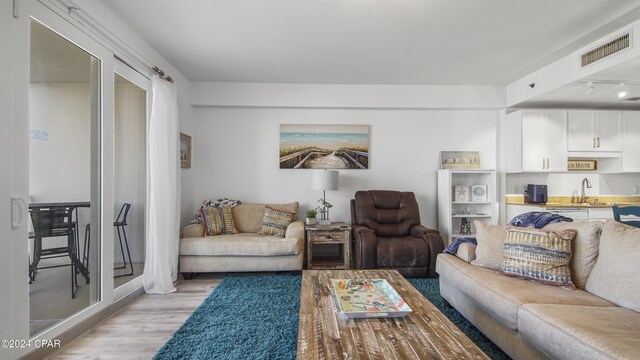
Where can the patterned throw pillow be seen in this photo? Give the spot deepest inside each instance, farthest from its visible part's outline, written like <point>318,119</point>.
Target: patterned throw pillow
<point>275,221</point>
<point>217,220</point>
<point>539,255</point>
<point>197,219</point>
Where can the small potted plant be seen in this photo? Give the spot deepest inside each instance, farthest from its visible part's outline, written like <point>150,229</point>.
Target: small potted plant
<point>311,217</point>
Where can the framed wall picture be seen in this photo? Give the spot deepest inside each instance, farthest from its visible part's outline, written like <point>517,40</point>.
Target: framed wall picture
<point>185,151</point>
<point>479,193</point>
<point>324,146</point>
<point>461,193</point>
<point>460,159</point>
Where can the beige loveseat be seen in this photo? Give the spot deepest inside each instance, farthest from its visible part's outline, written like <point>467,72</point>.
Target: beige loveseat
<point>245,251</point>
<point>529,320</point>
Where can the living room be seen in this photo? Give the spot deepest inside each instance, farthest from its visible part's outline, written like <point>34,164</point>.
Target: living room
<point>423,78</point>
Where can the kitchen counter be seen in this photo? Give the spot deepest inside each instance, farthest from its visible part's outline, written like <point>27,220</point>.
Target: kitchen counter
<point>572,202</point>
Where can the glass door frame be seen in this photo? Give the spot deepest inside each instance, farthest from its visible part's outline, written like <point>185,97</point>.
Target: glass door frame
<point>15,324</point>
<point>124,70</point>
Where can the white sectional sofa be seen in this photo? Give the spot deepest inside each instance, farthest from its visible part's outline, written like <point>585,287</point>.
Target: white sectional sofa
<point>529,320</point>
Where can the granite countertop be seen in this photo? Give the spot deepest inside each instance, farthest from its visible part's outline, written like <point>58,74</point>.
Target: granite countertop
<point>601,201</point>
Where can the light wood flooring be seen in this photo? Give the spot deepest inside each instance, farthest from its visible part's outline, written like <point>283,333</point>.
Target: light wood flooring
<point>140,329</point>
<point>50,299</point>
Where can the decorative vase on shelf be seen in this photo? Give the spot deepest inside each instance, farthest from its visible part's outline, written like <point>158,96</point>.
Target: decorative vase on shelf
<point>465,227</point>
<point>311,221</point>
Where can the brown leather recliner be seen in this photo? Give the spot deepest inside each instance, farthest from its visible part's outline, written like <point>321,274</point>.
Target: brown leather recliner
<point>388,235</point>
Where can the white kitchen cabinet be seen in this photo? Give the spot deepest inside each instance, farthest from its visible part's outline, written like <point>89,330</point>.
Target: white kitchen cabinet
<point>598,131</point>
<point>537,141</point>
<point>631,141</point>
<point>601,214</point>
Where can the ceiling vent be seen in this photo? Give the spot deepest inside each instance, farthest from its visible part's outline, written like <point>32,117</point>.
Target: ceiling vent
<point>612,47</point>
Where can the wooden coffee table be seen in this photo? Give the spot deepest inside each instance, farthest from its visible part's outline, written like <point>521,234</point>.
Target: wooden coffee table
<point>425,333</point>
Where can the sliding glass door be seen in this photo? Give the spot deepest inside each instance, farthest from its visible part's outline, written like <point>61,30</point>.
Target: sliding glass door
<point>64,179</point>
<point>75,160</point>
<point>131,109</point>
<point>58,172</point>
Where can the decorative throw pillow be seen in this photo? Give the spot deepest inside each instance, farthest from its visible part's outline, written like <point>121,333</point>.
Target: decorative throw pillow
<point>615,275</point>
<point>275,221</point>
<point>584,248</point>
<point>197,219</point>
<point>490,248</point>
<point>217,220</point>
<point>539,255</point>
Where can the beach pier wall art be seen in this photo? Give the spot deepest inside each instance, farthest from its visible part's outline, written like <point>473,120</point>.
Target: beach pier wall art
<point>324,146</point>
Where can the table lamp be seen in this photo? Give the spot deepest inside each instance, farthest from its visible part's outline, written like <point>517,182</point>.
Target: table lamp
<point>324,180</point>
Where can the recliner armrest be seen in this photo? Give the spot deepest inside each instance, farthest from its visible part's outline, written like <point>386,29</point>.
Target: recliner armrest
<point>421,230</point>
<point>433,240</point>
<point>366,247</point>
<point>193,230</point>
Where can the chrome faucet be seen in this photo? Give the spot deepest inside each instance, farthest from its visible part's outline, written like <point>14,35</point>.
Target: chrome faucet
<point>585,181</point>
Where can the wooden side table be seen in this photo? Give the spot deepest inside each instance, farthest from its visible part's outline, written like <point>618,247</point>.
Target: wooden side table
<point>336,233</point>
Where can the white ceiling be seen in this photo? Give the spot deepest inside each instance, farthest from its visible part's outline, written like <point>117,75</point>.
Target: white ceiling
<point>488,42</point>
<point>607,84</point>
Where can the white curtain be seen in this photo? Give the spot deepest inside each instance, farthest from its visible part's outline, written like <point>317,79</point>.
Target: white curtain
<point>163,226</point>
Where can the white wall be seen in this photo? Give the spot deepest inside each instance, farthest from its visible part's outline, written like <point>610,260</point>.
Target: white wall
<point>60,165</point>
<point>236,153</point>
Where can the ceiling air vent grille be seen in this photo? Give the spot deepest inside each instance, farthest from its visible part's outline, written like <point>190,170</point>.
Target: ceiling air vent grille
<point>605,50</point>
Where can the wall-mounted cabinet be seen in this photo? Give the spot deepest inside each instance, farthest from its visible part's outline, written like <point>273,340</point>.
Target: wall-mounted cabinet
<point>543,140</point>
<point>631,141</point>
<point>591,130</point>
<point>537,141</point>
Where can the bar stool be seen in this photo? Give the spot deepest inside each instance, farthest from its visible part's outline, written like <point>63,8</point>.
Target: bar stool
<point>120,224</point>
<point>54,222</point>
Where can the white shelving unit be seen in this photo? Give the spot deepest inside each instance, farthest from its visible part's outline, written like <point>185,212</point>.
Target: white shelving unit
<point>450,212</point>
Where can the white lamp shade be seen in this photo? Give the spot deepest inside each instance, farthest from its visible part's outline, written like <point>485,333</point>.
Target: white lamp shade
<point>324,180</point>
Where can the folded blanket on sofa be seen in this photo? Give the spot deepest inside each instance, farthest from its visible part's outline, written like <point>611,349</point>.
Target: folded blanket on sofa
<point>197,219</point>
<point>453,247</point>
<point>537,219</point>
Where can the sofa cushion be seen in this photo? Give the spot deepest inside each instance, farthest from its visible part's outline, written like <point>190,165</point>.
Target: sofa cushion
<point>490,248</point>
<point>615,274</point>
<point>584,248</point>
<point>539,255</point>
<point>275,222</point>
<point>242,244</point>
<point>581,332</point>
<point>217,220</point>
<point>501,296</point>
<point>248,217</point>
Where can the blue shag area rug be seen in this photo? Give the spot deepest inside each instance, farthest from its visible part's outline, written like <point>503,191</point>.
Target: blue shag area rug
<point>256,317</point>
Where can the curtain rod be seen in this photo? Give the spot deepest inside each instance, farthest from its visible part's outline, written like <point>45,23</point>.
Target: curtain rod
<point>112,41</point>
<point>162,74</point>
